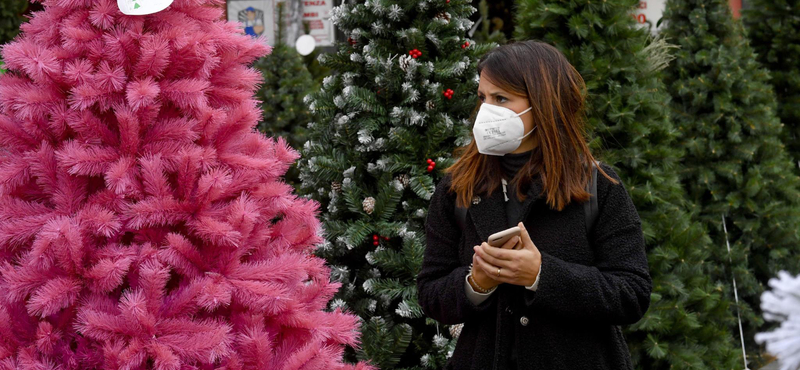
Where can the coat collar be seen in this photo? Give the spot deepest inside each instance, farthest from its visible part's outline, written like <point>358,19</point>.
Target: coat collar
<point>488,213</point>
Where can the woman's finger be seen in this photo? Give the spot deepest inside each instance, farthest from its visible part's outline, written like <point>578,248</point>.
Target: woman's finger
<point>527,243</point>
<point>511,243</point>
<point>507,255</point>
<point>488,268</point>
<point>492,270</point>
<point>488,258</point>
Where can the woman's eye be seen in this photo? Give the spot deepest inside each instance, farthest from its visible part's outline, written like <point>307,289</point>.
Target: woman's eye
<point>481,97</point>
<point>501,99</point>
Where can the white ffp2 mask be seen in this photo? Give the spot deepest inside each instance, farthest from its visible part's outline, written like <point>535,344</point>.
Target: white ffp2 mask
<point>499,130</point>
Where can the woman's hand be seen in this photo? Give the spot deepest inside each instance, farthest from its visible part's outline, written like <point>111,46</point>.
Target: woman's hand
<point>518,267</point>
<point>482,277</point>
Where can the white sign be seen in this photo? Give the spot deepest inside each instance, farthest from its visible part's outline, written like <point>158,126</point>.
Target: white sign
<point>649,12</point>
<point>142,7</point>
<point>257,17</point>
<point>318,15</point>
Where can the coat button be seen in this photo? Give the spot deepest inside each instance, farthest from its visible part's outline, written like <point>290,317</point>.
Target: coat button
<point>509,311</point>
<point>476,200</point>
<point>524,321</point>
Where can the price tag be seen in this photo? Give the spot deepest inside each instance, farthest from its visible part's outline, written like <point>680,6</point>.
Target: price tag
<point>142,7</point>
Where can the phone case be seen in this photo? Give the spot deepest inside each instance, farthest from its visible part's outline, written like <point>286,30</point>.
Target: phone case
<point>500,238</point>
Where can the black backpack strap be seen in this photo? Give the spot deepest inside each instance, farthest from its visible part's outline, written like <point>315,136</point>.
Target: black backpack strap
<point>591,208</point>
<point>461,217</point>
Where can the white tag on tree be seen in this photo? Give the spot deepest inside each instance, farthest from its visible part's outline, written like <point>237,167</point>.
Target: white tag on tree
<point>142,7</point>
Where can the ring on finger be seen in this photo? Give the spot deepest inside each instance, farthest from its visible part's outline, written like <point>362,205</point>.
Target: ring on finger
<point>498,271</point>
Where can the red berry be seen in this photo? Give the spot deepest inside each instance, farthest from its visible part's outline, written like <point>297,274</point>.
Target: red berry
<point>376,243</point>
<point>433,163</point>
<point>430,168</point>
<point>429,160</point>
<point>375,237</point>
<point>385,238</point>
<point>447,1</point>
<point>466,43</point>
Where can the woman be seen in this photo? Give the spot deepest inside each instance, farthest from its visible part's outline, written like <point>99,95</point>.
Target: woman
<point>554,297</point>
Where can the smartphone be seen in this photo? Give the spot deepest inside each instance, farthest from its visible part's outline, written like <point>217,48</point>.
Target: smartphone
<point>500,238</point>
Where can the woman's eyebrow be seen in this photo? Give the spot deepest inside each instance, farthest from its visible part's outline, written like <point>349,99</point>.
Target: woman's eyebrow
<point>496,93</point>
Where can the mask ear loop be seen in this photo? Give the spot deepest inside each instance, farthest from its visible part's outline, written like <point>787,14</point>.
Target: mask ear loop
<point>525,111</point>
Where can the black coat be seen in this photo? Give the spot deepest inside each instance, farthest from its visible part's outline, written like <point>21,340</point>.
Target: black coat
<point>589,284</point>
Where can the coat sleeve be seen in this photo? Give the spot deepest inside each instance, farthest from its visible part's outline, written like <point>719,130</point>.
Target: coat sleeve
<point>616,289</point>
<point>440,284</point>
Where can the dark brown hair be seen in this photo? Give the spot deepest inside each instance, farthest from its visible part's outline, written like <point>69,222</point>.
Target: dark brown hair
<point>556,93</point>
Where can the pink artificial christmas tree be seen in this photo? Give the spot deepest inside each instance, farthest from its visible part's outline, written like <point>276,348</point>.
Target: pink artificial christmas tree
<point>143,220</point>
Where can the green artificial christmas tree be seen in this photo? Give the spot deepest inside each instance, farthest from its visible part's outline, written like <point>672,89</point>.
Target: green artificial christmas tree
<point>317,70</point>
<point>286,82</point>
<point>385,126</point>
<point>774,30</point>
<point>690,316</point>
<point>11,16</point>
<point>485,31</point>
<point>735,165</point>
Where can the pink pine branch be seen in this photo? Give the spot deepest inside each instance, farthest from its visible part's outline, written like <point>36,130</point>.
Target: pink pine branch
<point>103,14</point>
<point>54,295</point>
<point>129,130</point>
<point>13,136</point>
<point>91,129</point>
<point>121,176</point>
<point>100,221</point>
<point>34,59</point>
<point>142,92</point>
<point>85,160</point>
<point>187,94</point>
<point>110,78</point>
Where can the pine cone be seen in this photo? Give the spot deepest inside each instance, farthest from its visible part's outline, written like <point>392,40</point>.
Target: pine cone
<point>455,330</point>
<point>443,15</point>
<point>404,179</point>
<point>369,205</point>
<point>405,60</point>
<point>336,186</point>
<point>430,105</point>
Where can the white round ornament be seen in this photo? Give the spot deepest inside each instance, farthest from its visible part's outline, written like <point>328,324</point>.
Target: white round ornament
<point>305,44</point>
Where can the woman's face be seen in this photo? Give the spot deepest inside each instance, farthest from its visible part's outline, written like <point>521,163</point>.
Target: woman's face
<point>489,93</point>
